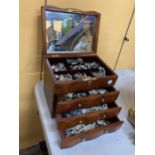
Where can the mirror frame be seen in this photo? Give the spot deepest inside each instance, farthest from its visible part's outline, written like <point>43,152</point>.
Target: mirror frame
<point>68,10</point>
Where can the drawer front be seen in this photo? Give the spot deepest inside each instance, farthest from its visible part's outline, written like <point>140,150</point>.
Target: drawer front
<point>86,102</point>
<point>82,85</point>
<point>65,123</point>
<point>67,142</point>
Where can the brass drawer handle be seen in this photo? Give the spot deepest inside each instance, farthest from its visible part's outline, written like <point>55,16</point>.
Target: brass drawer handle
<point>102,100</point>
<point>80,122</point>
<point>79,105</point>
<point>106,132</point>
<point>110,82</point>
<point>104,116</point>
<point>89,83</point>
<point>83,139</point>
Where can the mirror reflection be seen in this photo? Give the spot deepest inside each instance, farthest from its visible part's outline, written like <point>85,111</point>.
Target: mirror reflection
<point>69,32</point>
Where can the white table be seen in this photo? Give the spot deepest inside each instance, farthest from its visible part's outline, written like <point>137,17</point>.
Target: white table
<point>117,143</point>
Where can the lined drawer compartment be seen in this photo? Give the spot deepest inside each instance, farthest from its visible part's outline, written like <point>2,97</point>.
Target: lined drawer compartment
<point>88,115</point>
<point>79,74</point>
<point>86,100</point>
<point>91,133</point>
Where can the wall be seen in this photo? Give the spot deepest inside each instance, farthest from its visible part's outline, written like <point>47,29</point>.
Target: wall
<point>114,21</point>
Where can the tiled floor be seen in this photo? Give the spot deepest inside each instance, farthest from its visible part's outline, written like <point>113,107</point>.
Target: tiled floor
<point>39,149</point>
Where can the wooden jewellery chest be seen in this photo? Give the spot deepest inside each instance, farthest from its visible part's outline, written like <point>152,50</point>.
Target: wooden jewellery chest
<point>78,84</point>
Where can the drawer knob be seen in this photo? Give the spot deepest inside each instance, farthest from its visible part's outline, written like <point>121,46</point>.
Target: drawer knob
<point>79,105</point>
<point>80,122</point>
<point>89,83</point>
<point>106,132</point>
<point>104,116</point>
<point>83,139</point>
<point>109,82</point>
<point>102,100</point>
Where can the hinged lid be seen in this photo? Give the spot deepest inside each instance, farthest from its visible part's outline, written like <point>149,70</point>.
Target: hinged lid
<point>69,31</point>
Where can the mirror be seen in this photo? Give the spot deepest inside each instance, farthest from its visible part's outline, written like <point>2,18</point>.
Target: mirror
<point>69,32</point>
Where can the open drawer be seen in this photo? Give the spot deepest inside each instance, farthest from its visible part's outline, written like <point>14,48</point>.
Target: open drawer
<point>69,141</point>
<point>67,79</point>
<point>70,119</point>
<point>86,101</point>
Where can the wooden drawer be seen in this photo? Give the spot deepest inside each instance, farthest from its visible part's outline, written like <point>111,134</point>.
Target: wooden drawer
<point>67,142</point>
<point>68,122</point>
<point>60,87</point>
<point>80,85</point>
<point>88,101</point>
